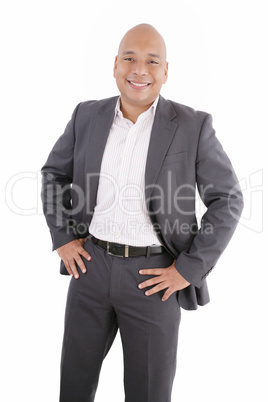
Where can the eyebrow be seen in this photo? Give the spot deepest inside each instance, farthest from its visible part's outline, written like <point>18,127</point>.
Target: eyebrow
<point>149,54</point>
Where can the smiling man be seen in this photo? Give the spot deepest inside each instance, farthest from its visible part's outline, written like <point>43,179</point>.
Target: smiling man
<point>119,199</point>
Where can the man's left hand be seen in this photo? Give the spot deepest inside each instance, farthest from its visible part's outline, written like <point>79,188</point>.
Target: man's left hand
<point>166,278</point>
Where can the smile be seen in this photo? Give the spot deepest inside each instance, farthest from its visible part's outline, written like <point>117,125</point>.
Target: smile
<point>137,85</point>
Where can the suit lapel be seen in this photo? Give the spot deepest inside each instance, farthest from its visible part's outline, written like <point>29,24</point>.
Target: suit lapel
<point>98,133</point>
<point>162,134</point>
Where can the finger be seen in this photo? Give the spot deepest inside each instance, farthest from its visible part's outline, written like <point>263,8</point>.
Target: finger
<point>156,289</point>
<point>151,271</point>
<point>167,294</point>
<point>80,263</point>
<point>67,266</point>
<point>149,282</point>
<point>85,254</point>
<point>73,268</point>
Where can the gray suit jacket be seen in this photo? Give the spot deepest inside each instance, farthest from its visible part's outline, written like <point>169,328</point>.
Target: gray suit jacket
<point>183,153</point>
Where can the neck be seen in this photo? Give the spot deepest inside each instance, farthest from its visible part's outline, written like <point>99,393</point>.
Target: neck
<point>132,112</point>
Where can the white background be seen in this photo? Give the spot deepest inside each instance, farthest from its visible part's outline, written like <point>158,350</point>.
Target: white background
<point>58,53</point>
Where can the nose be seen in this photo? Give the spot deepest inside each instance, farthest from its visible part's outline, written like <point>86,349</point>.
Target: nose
<point>140,68</point>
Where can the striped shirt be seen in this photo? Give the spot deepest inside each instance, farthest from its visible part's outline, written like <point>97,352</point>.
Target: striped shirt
<point>120,213</point>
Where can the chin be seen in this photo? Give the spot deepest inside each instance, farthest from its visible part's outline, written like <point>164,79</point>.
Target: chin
<point>142,100</point>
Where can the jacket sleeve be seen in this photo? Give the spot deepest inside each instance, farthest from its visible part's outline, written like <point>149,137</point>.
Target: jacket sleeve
<point>57,176</point>
<point>219,190</point>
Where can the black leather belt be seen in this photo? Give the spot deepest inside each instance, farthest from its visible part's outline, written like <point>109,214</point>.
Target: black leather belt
<point>123,250</point>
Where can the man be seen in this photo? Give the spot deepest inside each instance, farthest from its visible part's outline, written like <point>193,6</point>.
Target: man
<point>119,199</point>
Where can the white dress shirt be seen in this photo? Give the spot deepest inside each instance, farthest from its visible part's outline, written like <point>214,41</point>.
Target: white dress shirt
<point>120,213</point>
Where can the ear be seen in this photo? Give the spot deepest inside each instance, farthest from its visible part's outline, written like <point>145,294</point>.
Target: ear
<point>166,73</point>
<point>115,65</point>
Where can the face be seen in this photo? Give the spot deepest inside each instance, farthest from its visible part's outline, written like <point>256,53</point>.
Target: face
<point>140,68</point>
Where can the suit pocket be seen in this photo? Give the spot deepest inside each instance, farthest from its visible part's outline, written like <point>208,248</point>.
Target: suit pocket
<point>177,157</point>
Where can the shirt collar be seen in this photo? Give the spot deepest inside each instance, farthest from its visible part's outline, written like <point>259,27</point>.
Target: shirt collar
<point>151,108</point>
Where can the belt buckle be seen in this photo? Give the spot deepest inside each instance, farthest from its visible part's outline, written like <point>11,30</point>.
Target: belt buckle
<point>116,255</point>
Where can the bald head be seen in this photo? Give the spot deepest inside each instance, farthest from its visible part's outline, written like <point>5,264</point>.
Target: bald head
<point>144,34</point>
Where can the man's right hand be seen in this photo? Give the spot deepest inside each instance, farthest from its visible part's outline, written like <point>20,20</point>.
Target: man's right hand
<point>70,254</point>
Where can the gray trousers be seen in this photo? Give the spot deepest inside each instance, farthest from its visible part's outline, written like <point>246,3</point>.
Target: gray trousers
<point>104,299</point>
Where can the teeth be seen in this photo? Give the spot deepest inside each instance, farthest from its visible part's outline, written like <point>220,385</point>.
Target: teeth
<point>139,85</point>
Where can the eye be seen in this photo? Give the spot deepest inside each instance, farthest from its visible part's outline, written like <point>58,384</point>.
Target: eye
<point>128,59</point>
<point>153,62</point>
